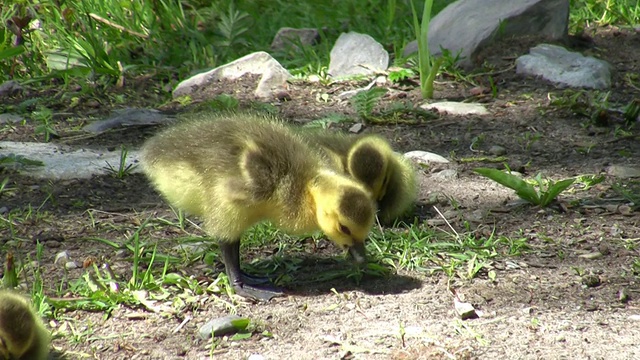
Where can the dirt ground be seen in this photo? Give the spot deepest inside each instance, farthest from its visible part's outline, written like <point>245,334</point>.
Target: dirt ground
<point>540,305</point>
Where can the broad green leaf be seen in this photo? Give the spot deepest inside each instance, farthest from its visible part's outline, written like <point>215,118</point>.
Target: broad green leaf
<point>555,190</point>
<point>240,324</point>
<point>11,52</point>
<point>523,189</point>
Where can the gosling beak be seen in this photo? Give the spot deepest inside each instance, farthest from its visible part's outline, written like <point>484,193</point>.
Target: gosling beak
<point>358,252</point>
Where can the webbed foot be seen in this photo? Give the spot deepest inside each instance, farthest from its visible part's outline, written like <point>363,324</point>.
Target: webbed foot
<point>260,293</point>
<point>246,285</point>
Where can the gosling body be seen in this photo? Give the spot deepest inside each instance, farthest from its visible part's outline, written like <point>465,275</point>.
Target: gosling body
<point>22,334</point>
<point>236,170</point>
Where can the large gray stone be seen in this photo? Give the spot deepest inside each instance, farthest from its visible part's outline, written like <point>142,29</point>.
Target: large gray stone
<point>273,77</point>
<point>560,66</point>
<point>467,26</point>
<point>66,162</point>
<point>127,117</point>
<point>357,54</point>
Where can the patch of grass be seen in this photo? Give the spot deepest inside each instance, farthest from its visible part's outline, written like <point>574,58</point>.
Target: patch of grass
<point>151,284</point>
<point>420,248</point>
<point>586,13</point>
<point>546,192</point>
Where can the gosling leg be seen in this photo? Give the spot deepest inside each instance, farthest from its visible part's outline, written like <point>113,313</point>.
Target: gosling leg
<point>244,284</point>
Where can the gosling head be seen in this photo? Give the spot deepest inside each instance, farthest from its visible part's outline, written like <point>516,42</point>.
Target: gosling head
<point>345,212</point>
<point>368,161</point>
<point>17,325</point>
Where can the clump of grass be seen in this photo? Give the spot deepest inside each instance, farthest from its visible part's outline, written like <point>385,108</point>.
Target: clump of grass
<point>428,66</point>
<point>123,169</point>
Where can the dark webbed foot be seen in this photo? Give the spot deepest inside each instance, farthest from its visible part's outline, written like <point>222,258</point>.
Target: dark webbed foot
<point>246,285</point>
<point>260,293</point>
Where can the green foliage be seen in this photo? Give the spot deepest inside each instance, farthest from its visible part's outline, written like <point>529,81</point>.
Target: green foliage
<point>44,116</point>
<point>365,101</point>
<point>611,12</point>
<point>10,276</point>
<point>546,193</point>
<point>427,65</point>
<point>325,122</point>
<point>123,168</point>
<point>13,160</point>
<point>400,75</point>
<point>223,102</point>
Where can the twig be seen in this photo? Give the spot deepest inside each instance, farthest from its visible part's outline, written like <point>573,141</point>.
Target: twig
<point>182,324</point>
<point>116,26</point>
<point>447,222</point>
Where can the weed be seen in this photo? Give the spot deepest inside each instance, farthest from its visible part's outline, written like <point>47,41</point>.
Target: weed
<point>365,101</point>
<point>326,121</point>
<point>527,140</point>
<point>10,276</point>
<point>400,75</point>
<point>223,102</point>
<point>547,190</point>
<point>586,182</point>
<point>427,65</point>
<point>123,170</point>
<point>630,191</point>
<point>44,117</point>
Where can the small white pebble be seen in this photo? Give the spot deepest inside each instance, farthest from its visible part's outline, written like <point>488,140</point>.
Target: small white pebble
<point>61,256</point>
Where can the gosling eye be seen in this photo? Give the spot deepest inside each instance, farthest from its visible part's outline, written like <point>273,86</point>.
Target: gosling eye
<point>345,230</point>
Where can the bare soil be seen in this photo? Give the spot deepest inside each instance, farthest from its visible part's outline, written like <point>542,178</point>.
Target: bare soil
<point>541,305</point>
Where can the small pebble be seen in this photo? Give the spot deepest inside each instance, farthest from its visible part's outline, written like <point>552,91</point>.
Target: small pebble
<point>497,150</point>
<point>61,256</point>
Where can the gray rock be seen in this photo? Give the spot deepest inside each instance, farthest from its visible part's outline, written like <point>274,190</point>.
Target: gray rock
<point>357,54</point>
<point>220,326</point>
<point>128,117</point>
<point>66,162</point>
<point>9,88</point>
<point>273,77</point>
<point>61,256</point>
<point>10,118</point>
<point>560,66</point>
<point>457,108</point>
<point>70,265</point>
<point>289,37</point>
<point>356,128</point>
<point>623,172</point>
<point>425,157</point>
<point>467,27</point>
